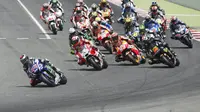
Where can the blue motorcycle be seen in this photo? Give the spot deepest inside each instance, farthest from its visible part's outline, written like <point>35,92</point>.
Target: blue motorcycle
<point>47,75</point>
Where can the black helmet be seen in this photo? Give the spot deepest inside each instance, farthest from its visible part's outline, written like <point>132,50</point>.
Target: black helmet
<point>24,59</point>
<point>147,18</point>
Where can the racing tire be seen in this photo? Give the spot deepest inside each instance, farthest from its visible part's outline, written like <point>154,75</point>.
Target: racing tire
<point>60,26</point>
<point>63,80</point>
<point>105,64</point>
<point>46,80</point>
<point>167,62</point>
<point>133,60</point>
<point>96,66</point>
<point>177,62</point>
<point>53,27</point>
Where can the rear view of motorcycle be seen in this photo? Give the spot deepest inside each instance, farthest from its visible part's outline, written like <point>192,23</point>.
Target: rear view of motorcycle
<point>51,18</point>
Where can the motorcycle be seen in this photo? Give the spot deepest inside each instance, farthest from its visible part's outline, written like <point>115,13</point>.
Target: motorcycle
<point>131,15</point>
<point>128,53</point>
<point>162,22</point>
<point>51,19</point>
<point>59,21</point>
<point>94,58</point>
<point>104,39</point>
<point>46,74</point>
<point>107,15</point>
<point>155,28</point>
<point>183,35</point>
<point>161,53</point>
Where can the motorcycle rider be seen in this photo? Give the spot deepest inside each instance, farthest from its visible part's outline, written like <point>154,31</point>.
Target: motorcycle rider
<point>148,21</point>
<point>78,45</point>
<point>149,42</point>
<point>117,42</point>
<point>102,23</point>
<point>173,25</point>
<point>104,4</point>
<point>44,11</point>
<point>83,4</point>
<point>154,12</point>
<point>57,4</point>
<point>74,32</point>
<point>130,25</point>
<point>155,4</point>
<point>93,16</point>
<point>27,64</point>
<point>95,8</point>
<point>126,9</point>
<point>77,16</point>
<point>126,1</point>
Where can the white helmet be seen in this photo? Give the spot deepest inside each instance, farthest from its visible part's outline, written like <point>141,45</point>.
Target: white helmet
<point>72,30</point>
<point>80,1</point>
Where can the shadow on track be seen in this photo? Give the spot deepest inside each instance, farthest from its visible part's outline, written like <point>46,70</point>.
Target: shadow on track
<point>122,64</point>
<point>46,33</point>
<point>82,69</point>
<point>37,86</point>
<point>156,66</point>
<point>181,47</point>
<point>70,60</point>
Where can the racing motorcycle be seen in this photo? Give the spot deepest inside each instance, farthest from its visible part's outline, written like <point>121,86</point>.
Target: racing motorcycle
<point>128,53</point>
<point>93,57</point>
<point>131,15</point>
<point>46,74</point>
<point>106,12</point>
<point>84,26</point>
<point>184,35</point>
<point>104,39</point>
<point>59,20</point>
<point>162,22</point>
<point>159,52</point>
<point>51,19</point>
<point>156,29</point>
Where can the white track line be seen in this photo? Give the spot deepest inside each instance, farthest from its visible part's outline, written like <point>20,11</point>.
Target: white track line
<point>22,38</point>
<point>34,19</point>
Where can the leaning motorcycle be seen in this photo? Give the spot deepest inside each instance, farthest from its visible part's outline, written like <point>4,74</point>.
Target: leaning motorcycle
<point>184,35</point>
<point>128,53</point>
<point>160,52</point>
<point>46,74</point>
<point>104,39</point>
<point>93,57</point>
<point>51,19</point>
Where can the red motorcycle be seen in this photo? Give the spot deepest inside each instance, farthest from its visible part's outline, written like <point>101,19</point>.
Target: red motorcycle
<point>93,57</point>
<point>130,53</point>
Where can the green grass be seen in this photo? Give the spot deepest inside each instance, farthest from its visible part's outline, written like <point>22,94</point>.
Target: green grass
<point>171,8</point>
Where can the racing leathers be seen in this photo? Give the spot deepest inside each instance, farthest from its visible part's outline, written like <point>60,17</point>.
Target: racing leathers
<point>159,9</point>
<point>126,10</point>
<point>126,1</point>
<point>173,26</point>
<point>55,5</point>
<point>77,18</point>
<point>43,14</point>
<point>78,47</point>
<point>102,6</point>
<point>34,79</point>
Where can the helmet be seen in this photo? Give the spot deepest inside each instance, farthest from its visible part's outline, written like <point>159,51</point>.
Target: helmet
<point>154,8</point>
<point>45,5</point>
<point>173,19</point>
<point>80,1</point>
<point>75,40</point>
<point>94,14</point>
<point>95,25</point>
<point>94,7</point>
<point>154,3</point>
<point>128,20</point>
<point>78,10</point>
<point>72,30</point>
<point>115,36</point>
<point>128,4</point>
<point>24,59</point>
<point>54,1</point>
<point>103,1</point>
<point>98,19</point>
<point>147,18</point>
<point>78,5</point>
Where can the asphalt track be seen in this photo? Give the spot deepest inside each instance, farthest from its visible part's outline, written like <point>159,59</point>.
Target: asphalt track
<point>87,90</point>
